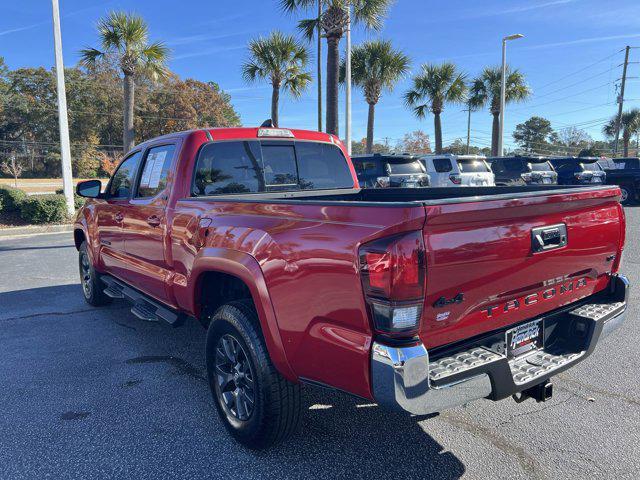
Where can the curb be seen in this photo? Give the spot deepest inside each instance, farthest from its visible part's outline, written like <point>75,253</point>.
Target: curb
<point>11,232</point>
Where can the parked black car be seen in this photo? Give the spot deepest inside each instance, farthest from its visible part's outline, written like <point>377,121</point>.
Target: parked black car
<point>578,171</point>
<point>523,170</point>
<point>388,170</point>
<point>624,172</point>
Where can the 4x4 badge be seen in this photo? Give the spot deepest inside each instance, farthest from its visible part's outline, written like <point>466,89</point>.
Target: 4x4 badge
<point>443,302</point>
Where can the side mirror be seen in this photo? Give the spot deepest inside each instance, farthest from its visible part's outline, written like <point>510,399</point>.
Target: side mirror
<point>89,188</point>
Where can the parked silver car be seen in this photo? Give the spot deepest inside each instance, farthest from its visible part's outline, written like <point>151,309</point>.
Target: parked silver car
<point>449,170</point>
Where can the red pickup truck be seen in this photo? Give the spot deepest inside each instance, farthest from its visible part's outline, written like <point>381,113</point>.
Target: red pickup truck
<point>417,299</point>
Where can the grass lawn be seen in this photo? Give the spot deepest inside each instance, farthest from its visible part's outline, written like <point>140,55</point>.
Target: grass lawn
<point>41,185</point>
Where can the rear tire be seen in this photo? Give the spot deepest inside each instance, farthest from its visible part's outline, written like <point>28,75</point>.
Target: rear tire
<point>257,405</point>
<point>92,287</point>
<point>628,195</point>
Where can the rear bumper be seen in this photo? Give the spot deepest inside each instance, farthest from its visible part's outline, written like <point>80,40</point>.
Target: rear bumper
<point>404,378</point>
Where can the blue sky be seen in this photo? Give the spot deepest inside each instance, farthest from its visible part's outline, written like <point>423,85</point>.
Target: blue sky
<point>570,54</point>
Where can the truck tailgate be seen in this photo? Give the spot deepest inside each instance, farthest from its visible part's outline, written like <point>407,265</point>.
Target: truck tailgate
<point>483,273</point>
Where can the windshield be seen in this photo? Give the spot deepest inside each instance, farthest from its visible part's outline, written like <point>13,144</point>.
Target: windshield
<point>405,168</point>
<point>540,167</point>
<point>467,166</point>
<point>592,167</point>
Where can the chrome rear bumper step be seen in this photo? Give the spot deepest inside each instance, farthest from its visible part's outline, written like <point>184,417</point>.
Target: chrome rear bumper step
<point>407,378</point>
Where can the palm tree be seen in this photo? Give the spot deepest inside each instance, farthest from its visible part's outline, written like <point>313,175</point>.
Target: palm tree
<point>124,39</point>
<point>281,60</point>
<point>375,66</point>
<point>333,23</point>
<point>629,124</point>
<point>433,88</point>
<point>485,90</point>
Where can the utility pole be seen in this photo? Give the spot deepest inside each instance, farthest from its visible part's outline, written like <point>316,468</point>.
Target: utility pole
<point>348,79</point>
<point>320,65</point>
<point>468,128</point>
<point>621,99</point>
<point>63,121</point>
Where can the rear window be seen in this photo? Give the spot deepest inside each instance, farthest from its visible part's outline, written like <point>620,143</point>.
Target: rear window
<point>255,167</point>
<point>593,167</point>
<point>405,168</point>
<point>322,166</point>
<point>468,166</point>
<point>442,165</point>
<point>540,166</point>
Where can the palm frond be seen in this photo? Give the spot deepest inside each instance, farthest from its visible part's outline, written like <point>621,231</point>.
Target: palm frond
<point>370,13</point>
<point>90,56</point>
<point>308,28</point>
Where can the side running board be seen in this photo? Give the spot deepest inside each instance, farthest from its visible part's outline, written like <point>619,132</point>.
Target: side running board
<point>144,307</point>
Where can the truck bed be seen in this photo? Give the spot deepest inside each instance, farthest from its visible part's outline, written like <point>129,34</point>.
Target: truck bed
<point>373,197</point>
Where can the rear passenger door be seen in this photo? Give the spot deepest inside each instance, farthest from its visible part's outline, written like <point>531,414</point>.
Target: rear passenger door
<point>145,225</point>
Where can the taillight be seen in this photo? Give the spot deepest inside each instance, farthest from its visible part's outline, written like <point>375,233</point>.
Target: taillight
<point>393,278</point>
<point>623,237</point>
<point>455,178</point>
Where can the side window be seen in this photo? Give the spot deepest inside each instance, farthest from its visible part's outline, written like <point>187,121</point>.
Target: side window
<point>229,167</point>
<point>156,170</point>
<point>442,165</point>
<point>323,166</point>
<point>279,163</point>
<point>122,180</point>
<point>514,165</point>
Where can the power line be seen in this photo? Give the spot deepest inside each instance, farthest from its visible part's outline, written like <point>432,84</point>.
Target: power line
<point>580,70</point>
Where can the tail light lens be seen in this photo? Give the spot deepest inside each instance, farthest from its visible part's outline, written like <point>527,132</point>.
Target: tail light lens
<point>393,278</point>
<point>455,178</point>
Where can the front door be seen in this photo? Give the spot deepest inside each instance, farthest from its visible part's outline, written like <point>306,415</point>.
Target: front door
<point>145,225</point>
<point>110,214</point>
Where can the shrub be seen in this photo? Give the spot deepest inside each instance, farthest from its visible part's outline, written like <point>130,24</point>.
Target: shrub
<point>11,198</point>
<point>44,209</point>
<point>78,201</point>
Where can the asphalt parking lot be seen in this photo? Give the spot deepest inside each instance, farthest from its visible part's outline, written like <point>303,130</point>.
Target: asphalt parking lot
<point>94,393</point>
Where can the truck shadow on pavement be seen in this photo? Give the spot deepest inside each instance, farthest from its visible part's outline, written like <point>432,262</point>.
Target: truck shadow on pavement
<point>340,436</point>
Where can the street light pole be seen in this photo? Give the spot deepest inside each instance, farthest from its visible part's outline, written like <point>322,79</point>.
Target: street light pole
<point>503,87</point>
<point>348,79</point>
<point>63,121</point>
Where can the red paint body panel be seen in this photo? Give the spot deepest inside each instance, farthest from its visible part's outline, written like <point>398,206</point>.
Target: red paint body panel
<point>300,259</point>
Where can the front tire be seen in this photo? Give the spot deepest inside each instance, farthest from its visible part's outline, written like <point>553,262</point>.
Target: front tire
<point>257,405</point>
<point>92,287</point>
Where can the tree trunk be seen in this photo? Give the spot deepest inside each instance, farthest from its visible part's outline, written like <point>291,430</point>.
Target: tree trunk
<point>275,99</point>
<point>128,134</point>
<point>437,127</point>
<point>370,122</point>
<point>333,65</point>
<point>626,137</point>
<point>495,131</point>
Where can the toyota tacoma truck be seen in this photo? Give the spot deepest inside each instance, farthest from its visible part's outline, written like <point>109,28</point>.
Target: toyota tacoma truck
<point>418,299</point>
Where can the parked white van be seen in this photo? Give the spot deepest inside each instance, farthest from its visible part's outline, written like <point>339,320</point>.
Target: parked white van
<point>449,170</point>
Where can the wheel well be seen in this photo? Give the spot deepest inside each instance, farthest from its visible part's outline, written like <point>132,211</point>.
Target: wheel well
<point>78,238</point>
<point>216,289</point>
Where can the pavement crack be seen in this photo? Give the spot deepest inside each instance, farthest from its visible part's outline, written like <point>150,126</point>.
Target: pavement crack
<point>548,406</point>
<point>53,314</point>
<point>182,366</point>
<point>605,393</point>
<point>526,461</point>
